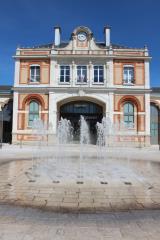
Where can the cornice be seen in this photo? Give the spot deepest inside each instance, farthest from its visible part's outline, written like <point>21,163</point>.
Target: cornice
<point>30,56</point>
<point>46,90</point>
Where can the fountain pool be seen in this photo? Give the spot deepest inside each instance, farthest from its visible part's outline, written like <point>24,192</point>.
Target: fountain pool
<point>80,177</point>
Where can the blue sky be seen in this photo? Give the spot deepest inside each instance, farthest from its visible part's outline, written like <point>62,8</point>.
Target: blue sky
<point>29,22</point>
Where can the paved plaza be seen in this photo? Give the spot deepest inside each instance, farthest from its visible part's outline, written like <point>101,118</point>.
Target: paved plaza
<point>117,198</point>
<point>17,223</point>
<point>120,182</point>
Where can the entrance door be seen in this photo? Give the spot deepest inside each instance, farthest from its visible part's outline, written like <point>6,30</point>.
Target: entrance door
<point>154,127</point>
<point>92,113</point>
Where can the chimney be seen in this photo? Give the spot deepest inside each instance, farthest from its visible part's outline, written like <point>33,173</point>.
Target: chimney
<point>57,36</point>
<point>107,35</point>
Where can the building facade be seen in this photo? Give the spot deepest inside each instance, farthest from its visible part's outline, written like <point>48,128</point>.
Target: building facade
<point>82,77</point>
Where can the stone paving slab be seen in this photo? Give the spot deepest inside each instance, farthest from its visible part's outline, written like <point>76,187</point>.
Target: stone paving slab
<point>19,223</point>
<point>81,200</point>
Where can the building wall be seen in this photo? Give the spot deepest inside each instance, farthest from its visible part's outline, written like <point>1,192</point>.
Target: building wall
<point>25,71</point>
<point>112,93</point>
<point>138,68</point>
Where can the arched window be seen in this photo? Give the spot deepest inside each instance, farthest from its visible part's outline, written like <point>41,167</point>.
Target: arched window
<point>34,73</point>
<point>33,112</point>
<point>128,111</point>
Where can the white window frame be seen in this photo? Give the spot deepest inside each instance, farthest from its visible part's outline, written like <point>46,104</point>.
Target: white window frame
<point>128,81</point>
<point>64,82</point>
<point>98,82</point>
<point>35,65</point>
<point>81,82</point>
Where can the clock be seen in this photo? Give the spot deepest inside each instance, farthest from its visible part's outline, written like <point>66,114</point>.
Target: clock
<point>82,36</point>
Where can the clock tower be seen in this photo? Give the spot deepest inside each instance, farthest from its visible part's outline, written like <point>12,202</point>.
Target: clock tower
<point>82,36</point>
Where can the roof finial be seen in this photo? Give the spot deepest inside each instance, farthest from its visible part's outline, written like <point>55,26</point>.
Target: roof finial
<point>146,50</point>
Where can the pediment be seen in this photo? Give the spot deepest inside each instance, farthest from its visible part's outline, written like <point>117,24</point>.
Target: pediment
<point>81,38</point>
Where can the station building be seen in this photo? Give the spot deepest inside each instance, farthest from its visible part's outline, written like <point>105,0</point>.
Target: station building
<point>82,77</point>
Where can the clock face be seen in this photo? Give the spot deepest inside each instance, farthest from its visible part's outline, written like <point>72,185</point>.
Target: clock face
<point>82,36</point>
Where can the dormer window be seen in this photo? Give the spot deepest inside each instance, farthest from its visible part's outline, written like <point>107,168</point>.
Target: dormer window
<point>34,73</point>
<point>128,74</point>
<point>81,74</point>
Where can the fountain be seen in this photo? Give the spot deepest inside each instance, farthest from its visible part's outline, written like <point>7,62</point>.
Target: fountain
<point>81,176</point>
<point>84,141</point>
<point>55,162</point>
<point>64,137</point>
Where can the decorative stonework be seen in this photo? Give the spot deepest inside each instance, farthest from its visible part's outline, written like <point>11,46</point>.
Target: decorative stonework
<point>81,93</point>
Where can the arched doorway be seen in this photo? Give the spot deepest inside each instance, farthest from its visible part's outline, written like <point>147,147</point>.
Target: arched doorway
<point>92,112</point>
<point>155,124</point>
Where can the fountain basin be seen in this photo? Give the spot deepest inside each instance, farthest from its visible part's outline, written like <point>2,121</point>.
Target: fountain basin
<point>115,182</point>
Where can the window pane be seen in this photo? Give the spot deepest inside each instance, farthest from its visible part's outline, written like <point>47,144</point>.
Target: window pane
<point>100,79</point>
<point>31,117</point>
<point>95,78</point>
<point>64,73</point>
<point>101,72</point>
<point>129,114</point>
<point>84,71</point>
<point>131,119</point>
<point>35,73</point>
<point>98,73</point>
<point>61,78</point>
<point>125,118</point>
<point>95,73</point>
<point>128,74</point>
<point>32,71</point>
<point>81,74</point>
<point>67,78</point>
<point>130,108</point>
<point>125,108</point>
<point>34,107</point>
<point>31,107</point>
<point>33,112</point>
<point>37,68</point>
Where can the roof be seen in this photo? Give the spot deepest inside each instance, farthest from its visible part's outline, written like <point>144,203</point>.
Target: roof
<point>156,89</point>
<point>5,89</point>
<point>64,44</point>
